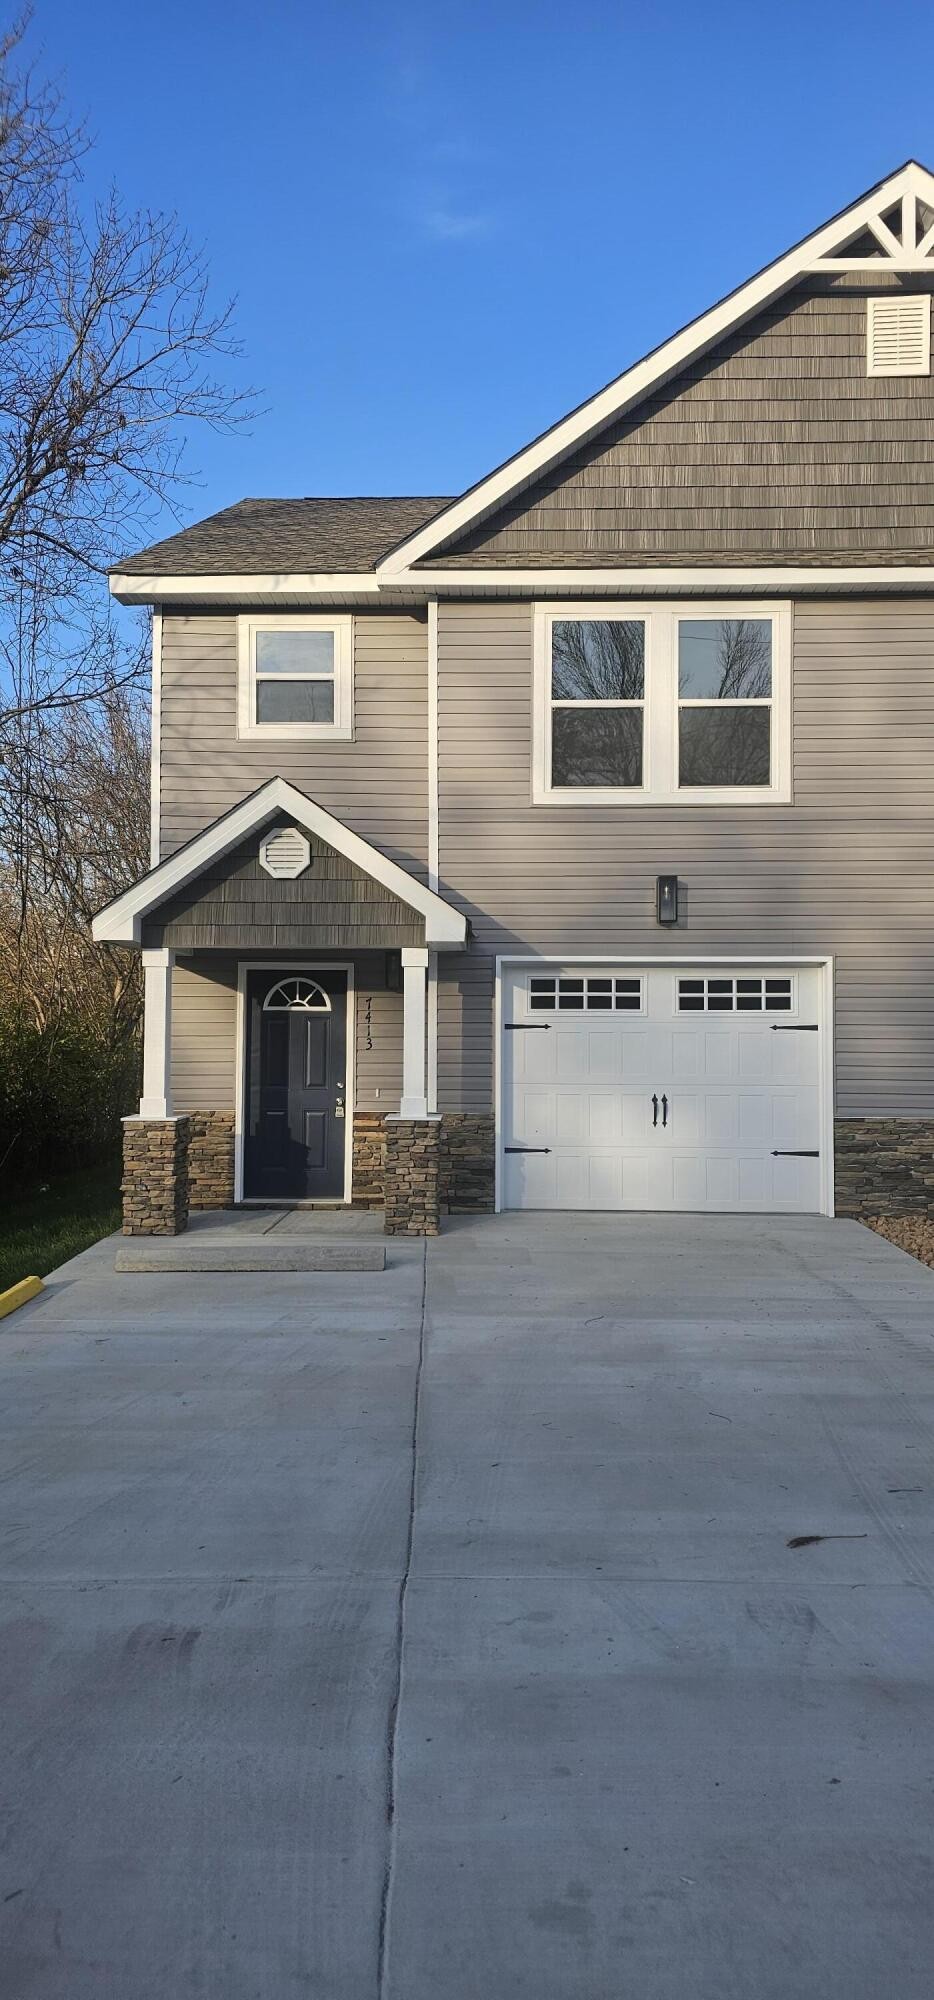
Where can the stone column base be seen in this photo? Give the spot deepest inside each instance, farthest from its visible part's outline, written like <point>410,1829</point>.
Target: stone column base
<point>412,1177</point>
<point>155,1176</point>
<point>211,1160</point>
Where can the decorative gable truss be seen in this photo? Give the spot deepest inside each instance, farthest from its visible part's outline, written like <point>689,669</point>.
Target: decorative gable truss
<point>897,235</point>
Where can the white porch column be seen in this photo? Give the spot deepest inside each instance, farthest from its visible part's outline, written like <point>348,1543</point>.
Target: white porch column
<point>414,1013</point>
<point>156,1101</point>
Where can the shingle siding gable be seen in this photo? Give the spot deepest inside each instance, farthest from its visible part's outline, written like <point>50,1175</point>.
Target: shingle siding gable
<point>777,445</point>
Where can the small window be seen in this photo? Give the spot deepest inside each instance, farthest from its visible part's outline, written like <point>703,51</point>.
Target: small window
<point>898,335</point>
<point>295,677</point>
<point>585,995</point>
<point>734,996</point>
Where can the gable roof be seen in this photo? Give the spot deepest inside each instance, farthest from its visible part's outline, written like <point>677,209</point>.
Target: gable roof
<point>121,921</point>
<point>889,229</point>
<point>262,536</point>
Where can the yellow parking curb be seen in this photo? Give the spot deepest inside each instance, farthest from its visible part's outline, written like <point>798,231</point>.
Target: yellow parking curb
<point>18,1295</point>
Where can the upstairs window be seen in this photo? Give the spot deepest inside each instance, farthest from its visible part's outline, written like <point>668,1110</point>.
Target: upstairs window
<point>295,677</point>
<point>660,704</point>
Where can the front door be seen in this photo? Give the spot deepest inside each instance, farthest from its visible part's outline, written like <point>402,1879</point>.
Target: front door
<point>296,1053</point>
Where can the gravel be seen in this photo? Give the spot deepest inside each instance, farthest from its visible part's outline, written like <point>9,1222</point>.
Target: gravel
<point>914,1233</point>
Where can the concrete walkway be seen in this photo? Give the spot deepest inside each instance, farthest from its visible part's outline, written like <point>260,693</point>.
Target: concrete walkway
<point>562,1717</point>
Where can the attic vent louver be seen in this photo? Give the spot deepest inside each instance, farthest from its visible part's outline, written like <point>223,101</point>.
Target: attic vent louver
<point>898,336</point>
<point>284,853</point>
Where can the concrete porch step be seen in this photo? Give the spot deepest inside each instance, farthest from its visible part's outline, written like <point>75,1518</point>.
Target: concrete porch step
<point>234,1250</point>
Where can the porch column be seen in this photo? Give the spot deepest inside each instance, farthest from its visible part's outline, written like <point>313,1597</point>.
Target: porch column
<point>156,1100</point>
<point>414,1102</point>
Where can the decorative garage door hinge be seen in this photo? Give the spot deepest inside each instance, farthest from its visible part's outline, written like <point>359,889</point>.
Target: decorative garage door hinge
<point>794,1027</point>
<point>794,1153</point>
<point>526,1149</point>
<point>514,1026</point>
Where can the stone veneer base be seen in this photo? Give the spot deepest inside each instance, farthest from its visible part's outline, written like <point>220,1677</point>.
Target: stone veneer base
<point>155,1176</point>
<point>884,1166</point>
<point>466,1162</point>
<point>211,1160</point>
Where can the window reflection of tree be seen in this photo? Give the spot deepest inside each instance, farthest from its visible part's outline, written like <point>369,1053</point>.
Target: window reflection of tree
<point>598,659</point>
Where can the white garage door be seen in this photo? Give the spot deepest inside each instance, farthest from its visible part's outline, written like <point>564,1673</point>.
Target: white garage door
<point>675,1087</point>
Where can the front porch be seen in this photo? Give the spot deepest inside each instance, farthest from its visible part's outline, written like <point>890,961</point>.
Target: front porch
<point>290,976</point>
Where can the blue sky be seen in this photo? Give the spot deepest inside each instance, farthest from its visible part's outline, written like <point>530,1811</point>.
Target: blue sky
<point>446,224</point>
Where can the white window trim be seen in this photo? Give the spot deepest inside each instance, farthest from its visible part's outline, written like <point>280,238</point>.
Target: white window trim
<point>338,731</point>
<point>660,743</point>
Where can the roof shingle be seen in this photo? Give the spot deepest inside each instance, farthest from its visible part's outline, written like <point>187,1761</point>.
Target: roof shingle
<point>265,537</point>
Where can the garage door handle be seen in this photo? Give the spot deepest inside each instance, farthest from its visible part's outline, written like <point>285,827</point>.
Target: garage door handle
<point>794,1153</point>
<point>526,1149</point>
<point>664,1112</point>
<point>654,1110</point>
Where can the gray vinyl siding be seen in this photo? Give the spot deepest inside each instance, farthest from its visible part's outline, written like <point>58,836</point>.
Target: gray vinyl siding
<point>847,868</point>
<point>775,446</point>
<point>204,1034</point>
<point>376,784</point>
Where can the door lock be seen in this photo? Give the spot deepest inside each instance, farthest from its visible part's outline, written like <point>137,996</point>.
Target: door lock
<point>339,1107</point>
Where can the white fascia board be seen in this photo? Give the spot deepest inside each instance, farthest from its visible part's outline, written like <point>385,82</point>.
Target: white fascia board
<point>669,579</point>
<point>241,589</point>
<point>655,368</point>
<point>121,922</point>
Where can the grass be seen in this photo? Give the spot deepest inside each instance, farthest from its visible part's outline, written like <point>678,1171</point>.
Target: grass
<point>43,1226</point>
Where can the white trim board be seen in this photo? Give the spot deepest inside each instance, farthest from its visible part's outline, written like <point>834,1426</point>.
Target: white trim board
<point>122,920</point>
<point>667,579</point>
<point>816,252</point>
<point>672,960</point>
<point>247,965</point>
<point>155,744</point>
<point>419,586</point>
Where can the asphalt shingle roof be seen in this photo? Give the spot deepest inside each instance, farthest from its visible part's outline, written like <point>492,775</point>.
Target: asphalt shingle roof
<point>262,537</point>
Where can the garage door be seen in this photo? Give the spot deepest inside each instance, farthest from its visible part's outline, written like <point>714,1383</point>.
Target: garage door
<point>679,1087</point>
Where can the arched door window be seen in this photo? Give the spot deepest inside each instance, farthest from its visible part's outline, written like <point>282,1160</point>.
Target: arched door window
<point>296,995</point>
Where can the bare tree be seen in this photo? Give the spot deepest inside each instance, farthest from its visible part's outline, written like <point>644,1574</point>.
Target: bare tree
<point>108,355</point>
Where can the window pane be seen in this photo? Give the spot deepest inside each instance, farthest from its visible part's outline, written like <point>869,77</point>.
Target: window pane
<point>724,659</point>
<point>294,701</point>
<point>294,652</point>
<point>597,659</point>
<point>727,746</point>
<point>596,746</point>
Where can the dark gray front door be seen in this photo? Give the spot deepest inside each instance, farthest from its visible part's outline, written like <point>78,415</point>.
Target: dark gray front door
<point>295,1086</point>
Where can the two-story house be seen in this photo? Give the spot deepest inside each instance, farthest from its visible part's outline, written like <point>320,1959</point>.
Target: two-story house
<point>569,844</point>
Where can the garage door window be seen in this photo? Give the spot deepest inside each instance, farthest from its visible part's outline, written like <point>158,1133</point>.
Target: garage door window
<point>585,995</point>
<point>734,996</point>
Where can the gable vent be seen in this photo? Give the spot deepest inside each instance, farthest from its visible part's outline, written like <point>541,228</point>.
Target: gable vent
<point>284,853</point>
<point>898,336</point>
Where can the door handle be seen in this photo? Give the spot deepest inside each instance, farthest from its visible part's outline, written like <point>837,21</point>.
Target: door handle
<point>664,1112</point>
<point>654,1110</point>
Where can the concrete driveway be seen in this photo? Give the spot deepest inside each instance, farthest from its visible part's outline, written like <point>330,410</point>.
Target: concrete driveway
<point>561,1716</point>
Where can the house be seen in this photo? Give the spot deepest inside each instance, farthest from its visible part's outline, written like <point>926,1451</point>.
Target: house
<point>568,844</point>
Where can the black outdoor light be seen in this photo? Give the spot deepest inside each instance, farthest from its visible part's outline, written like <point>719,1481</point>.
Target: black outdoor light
<point>666,899</point>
